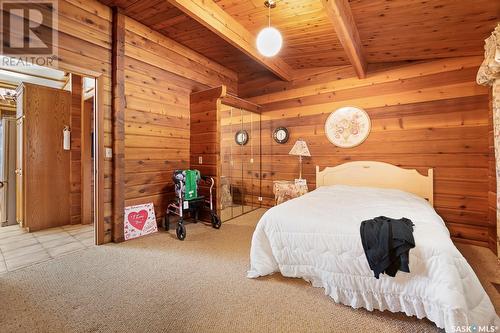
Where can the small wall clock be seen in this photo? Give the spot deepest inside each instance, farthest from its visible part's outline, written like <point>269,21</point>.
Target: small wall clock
<point>281,135</point>
<point>241,137</point>
<point>347,127</point>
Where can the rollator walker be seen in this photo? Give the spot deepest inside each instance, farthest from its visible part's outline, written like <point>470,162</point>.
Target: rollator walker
<point>187,200</point>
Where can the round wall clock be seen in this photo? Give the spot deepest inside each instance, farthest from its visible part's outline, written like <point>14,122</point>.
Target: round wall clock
<point>241,137</point>
<point>347,127</point>
<point>281,135</point>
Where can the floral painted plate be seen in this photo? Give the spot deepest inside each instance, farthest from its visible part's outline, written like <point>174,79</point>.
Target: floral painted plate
<point>347,127</point>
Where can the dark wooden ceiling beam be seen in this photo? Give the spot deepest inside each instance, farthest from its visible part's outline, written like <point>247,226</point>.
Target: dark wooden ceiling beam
<point>210,15</point>
<point>340,14</point>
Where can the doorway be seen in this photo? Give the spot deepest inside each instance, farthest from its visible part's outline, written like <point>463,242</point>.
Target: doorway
<point>47,165</point>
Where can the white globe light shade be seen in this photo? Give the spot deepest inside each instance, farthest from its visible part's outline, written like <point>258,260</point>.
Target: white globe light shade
<point>269,42</point>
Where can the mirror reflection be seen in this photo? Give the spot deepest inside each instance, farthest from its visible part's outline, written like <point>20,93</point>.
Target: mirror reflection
<point>240,162</point>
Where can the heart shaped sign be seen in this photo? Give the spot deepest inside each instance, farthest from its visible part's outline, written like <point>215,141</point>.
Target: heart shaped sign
<point>138,219</point>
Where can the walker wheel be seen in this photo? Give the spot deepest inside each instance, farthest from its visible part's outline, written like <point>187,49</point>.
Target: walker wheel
<point>216,223</point>
<point>181,231</point>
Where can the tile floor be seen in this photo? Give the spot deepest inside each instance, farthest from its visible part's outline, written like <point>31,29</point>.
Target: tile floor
<point>19,248</point>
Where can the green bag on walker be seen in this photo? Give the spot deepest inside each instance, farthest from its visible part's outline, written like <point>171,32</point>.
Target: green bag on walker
<point>191,190</point>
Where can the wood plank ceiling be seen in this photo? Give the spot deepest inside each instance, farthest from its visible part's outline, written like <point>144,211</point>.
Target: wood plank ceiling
<point>389,30</point>
<point>213,17</point>
<point>159,15</point>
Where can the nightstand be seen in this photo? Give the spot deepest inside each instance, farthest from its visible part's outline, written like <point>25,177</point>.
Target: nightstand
<point>285,190</point>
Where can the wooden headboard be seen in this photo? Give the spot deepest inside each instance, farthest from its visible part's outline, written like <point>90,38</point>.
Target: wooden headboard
<point>378,174</point>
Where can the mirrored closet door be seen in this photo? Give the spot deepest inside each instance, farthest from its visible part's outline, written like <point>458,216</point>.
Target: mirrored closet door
<point>240,161</point>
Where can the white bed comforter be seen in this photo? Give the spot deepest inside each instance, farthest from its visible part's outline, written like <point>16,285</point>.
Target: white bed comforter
<point>316,237</point>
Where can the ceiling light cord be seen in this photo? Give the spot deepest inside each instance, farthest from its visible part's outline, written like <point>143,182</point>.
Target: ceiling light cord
<point>269,15</point>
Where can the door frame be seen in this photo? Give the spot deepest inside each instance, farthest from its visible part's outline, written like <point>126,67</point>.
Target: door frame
<point>99,230</point>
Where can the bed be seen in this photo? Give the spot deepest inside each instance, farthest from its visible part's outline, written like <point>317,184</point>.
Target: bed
<point>316,237</point>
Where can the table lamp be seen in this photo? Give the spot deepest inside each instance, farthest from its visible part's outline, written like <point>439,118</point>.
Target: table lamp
<point>300,149</point>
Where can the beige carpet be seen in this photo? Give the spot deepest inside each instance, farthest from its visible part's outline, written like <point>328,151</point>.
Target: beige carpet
<point>159,284</point>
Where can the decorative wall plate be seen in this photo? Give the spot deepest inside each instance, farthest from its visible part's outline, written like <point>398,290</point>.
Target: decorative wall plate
<point>347,127</point>
<point>281,135</point>
<point>241,137</point>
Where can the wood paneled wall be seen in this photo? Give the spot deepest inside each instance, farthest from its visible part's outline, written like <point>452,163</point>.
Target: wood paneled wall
<point>424,115</point>
<point>160,75</point>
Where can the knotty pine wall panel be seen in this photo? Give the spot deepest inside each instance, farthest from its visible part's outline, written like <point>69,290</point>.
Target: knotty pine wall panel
<point>160,75</point>
<point>424,115</point>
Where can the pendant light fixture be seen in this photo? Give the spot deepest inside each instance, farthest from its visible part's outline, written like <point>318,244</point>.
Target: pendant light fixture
<point>269,40</point>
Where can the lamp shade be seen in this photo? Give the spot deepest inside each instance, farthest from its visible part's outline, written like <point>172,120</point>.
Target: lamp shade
<point>269,42</point>
<point>300,149</point>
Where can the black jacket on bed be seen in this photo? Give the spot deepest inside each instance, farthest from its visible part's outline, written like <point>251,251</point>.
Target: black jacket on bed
<point>387,243</point>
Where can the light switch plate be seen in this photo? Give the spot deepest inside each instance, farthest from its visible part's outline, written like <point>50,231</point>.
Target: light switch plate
<point>200,159</point>
<point>108,152</point>
<point>260,198</point>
